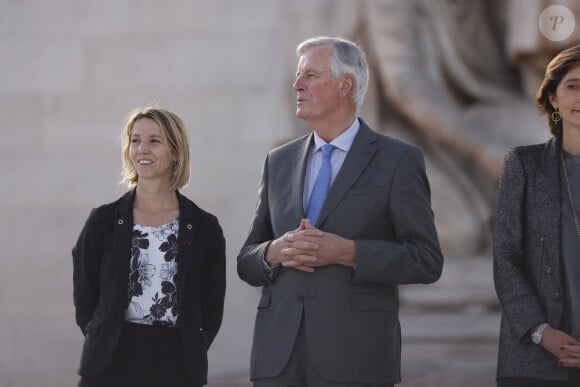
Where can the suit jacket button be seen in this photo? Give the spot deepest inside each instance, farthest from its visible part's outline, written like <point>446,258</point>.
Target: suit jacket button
<point>301,299</point>
<point>557,296</point>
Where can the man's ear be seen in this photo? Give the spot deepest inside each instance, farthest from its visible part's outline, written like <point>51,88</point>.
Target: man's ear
<point>346,86</point>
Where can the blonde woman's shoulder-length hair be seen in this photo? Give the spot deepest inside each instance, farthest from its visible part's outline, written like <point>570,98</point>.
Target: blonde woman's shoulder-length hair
<point>175,132</point>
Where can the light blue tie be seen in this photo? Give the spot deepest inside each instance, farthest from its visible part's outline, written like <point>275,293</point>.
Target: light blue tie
<point>321,185</point>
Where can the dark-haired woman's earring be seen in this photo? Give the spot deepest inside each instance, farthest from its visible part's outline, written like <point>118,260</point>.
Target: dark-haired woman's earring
<point>556,116</point>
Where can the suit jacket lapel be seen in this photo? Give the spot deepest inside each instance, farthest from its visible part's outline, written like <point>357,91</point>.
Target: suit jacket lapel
<point>298,175</point>
<point>360,154</point>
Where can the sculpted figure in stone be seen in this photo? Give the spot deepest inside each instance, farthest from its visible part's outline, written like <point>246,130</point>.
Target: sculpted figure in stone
<point>446,78</point>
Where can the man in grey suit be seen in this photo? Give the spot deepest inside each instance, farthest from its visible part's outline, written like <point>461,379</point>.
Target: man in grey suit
<point>343,217</point>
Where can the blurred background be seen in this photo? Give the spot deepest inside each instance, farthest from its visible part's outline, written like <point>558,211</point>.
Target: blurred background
<point>457,78</point>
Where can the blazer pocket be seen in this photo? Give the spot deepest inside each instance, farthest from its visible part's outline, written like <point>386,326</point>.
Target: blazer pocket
<point>93,327</point>
<point>264,301</point>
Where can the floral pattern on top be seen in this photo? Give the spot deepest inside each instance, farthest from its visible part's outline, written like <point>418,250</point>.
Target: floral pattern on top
<point>152,292</point>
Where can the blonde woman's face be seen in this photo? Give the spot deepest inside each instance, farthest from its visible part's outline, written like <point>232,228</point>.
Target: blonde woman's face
<point>149,151</point>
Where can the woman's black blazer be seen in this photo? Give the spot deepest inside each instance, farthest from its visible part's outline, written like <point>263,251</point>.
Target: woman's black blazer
<point>101,259</point>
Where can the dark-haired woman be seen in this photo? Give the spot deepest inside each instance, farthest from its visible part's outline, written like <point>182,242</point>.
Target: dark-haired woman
<point>537,242</point>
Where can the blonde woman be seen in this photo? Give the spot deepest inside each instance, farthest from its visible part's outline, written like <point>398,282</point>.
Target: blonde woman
<point>149,268</point>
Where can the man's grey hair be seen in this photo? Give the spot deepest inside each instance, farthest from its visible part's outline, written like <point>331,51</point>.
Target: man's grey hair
<point>347,59</point>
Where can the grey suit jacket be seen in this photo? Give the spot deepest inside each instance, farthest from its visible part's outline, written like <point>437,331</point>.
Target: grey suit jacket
<point>381,199</point>
<point>527,259</point>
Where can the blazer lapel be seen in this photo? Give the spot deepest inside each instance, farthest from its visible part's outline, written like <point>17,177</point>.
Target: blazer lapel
<point>188,245</point>
<point>360,154</point>
<point>123,236</point>
<point>185,241</point>
<point>298,174</point>
<point>548,199</point>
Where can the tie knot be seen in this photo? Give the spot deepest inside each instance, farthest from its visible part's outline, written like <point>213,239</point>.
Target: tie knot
<point>327,150</point>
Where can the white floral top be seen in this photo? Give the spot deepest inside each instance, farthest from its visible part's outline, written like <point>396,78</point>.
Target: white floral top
<point>152,291</point>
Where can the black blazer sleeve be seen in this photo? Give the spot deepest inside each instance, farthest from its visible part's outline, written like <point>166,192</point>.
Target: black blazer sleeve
<point>214,281</point>
<point>86,254</point>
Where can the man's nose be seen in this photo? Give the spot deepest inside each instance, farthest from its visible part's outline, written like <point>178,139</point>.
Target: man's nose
<point>298,85</point>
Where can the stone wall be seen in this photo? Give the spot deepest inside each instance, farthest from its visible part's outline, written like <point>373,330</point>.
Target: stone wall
<point>70,72</point>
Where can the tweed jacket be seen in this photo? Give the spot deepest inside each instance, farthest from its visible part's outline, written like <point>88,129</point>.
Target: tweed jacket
<point>101,259</point>
<point>527,259</point>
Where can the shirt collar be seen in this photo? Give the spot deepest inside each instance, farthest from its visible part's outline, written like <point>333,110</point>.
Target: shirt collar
<point>342,142</point>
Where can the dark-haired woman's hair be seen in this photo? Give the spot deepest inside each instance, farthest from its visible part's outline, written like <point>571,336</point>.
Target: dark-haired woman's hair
<point>555,71</point>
